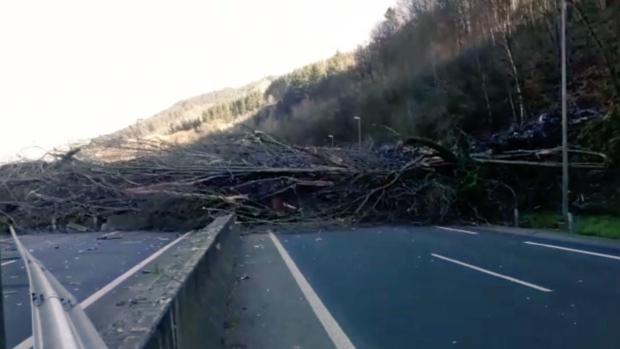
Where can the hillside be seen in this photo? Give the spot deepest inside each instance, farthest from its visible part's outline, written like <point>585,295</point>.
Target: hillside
<point>230,109</point>
<point>432,68</point>
<point>438,68</point>
<point>473,83</point>
<point>469,74</point>
<point>456,72</point>
<point>186,121</point>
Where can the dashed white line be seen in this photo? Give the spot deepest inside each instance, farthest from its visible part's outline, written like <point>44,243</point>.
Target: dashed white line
<point>27,343</point>
<point>457,230</point>
<point>573,250</point>
<point>334,331</point>
<point>486,271</point>
<point>7,263</point>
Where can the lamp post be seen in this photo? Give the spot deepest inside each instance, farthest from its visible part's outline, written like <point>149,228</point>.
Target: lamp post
<point>332,139</point>
<point>565,210</point>
<point>359,131</point>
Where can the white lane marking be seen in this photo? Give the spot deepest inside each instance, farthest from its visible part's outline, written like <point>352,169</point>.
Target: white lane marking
<point>457,230</point>
<point>573,250</point>
<point>7,263</point>
<point>505,277</point>
<point>335,332</point>
<point>136,268</point>
<point>27,343</point>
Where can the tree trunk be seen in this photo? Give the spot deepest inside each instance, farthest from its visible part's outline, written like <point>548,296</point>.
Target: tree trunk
<point>512,104</point>
<point>485,93</point>
<point>515,76</point>
<point>609,62</point>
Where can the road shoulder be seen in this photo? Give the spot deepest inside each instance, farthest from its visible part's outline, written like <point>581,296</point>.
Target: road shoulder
<point>267,309</point>
<point>550,235</point>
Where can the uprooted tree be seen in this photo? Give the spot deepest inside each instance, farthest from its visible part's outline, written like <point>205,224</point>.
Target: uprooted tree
<point>258,177</point>
<point>265,180</point>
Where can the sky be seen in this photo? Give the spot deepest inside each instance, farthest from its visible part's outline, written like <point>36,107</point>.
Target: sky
<point>72,70</point>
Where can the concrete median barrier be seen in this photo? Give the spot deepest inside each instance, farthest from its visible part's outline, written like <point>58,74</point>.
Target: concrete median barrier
<point>179,300</point>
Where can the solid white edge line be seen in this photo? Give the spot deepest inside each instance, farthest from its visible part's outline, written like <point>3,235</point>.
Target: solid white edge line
<point>457,230</point>
<point>27,343</point>
<point>334,331</point>
<point>573,250</point>
<point>7,263</point>
<point>505,277</point>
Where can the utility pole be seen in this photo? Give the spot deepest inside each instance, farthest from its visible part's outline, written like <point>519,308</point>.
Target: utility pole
<point>359,131</point>
<point>565,211</point>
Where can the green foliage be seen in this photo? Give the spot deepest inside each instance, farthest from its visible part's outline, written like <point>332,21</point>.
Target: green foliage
<point>294,87</point>
<point>603,226</point>
<point>542,220</point>
<point>226,112</point>
<point>595,225</point>
<point>212,107</point>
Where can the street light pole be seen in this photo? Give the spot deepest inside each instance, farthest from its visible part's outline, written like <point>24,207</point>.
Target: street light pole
<point>565,211</point>
<point>359,131</point>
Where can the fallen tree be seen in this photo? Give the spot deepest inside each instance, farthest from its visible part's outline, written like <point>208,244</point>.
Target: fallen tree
<point>264,180</point>
<point>261,179</point>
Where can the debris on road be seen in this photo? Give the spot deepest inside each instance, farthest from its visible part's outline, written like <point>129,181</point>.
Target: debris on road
<point>110,236</point>
<point>266,181</point>
<point>257,176</point>
<point>536,143</point>
<point>542,132</point>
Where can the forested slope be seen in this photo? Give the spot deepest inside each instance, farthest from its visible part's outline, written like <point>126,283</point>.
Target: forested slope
<point>193,117</point>
<point>438,67</point>
<point>458,72</point>
<point>433,68</point>
<point>466,93</point>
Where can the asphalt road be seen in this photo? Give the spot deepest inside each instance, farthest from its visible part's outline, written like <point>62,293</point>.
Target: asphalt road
<point>380,287</point>
<point>81,262</point>
<point>403,287</point>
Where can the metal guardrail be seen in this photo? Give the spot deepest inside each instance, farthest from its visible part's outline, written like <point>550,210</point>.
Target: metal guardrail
<point>58,321</point>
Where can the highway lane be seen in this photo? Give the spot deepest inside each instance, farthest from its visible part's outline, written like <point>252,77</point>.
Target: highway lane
<point>391,287</point>
<point>378,287</point>
<point>80,261</point>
